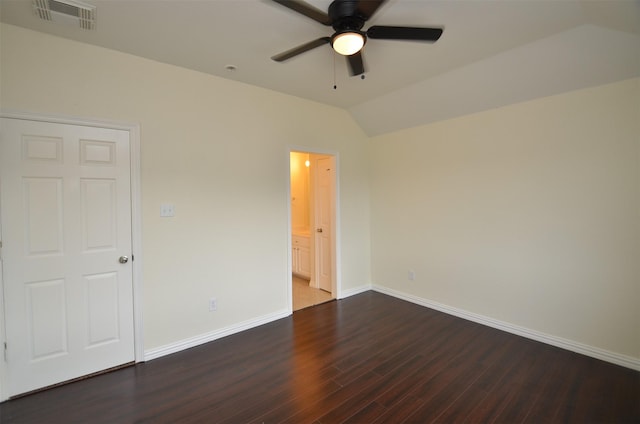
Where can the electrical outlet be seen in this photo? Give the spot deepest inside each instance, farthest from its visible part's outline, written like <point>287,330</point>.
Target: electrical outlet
<point>411,275</point>
<point>167,210</point>
<point>213,304</point>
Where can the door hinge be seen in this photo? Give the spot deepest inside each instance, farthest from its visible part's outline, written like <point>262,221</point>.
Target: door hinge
<point>133,258</point>
<point>5,351</point>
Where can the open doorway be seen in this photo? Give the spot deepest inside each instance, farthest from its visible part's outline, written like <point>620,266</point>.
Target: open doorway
<point>313,228</point>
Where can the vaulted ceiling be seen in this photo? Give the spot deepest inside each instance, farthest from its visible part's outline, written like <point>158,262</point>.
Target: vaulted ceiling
<point>492,52</point>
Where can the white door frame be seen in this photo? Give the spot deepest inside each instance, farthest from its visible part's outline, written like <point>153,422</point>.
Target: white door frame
<point>337,279</point>
<point>136,226</point>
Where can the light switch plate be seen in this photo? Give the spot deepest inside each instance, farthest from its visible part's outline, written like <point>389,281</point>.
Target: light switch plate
<point>167,210</point>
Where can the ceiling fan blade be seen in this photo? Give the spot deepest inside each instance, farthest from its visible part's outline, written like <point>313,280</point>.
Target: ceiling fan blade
<point>307,10</point>
<point>301,49</point>
<point>404,33</point>
<point>356,64</point>
<point>367,8</point>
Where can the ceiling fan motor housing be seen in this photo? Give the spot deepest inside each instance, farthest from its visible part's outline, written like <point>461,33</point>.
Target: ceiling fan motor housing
<point>345,16</point>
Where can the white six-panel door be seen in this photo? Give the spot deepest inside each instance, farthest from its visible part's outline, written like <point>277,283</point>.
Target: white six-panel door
<point>65,210</point>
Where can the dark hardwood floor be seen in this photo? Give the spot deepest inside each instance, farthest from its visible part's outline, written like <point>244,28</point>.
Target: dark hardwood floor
<point>369,358</point>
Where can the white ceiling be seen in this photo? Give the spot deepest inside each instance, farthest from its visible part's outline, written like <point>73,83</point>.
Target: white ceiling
<point>492,52</point>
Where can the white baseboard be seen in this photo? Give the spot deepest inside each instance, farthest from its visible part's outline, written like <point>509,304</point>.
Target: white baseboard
<point>354,291</point>
<point>214,335</point>
<point>594,352</point>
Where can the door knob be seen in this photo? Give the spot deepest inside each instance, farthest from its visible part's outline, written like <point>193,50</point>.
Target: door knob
<point>123,259</point>
<point>319,230</point>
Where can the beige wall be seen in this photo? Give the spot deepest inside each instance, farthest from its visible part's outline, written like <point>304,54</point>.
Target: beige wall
<point>528,214</point>
<point>219,151</point>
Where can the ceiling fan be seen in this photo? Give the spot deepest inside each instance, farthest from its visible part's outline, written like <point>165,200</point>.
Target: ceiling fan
<point>347,17</point>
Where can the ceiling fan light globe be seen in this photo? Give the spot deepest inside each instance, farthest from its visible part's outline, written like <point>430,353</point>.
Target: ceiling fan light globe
<point>347,43</point>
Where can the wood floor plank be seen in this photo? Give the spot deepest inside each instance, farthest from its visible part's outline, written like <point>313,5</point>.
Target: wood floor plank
<point>367,414</point>
<point>434,362</point>
<point>442,391</point>
<point>354,392</point>
<point>523,390</point>
<point>482,393</point>
<point>369,358</point>
<point>491,394</point>
<point>400,411</point>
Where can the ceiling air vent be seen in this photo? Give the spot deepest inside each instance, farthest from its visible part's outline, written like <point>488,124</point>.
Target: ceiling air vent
<point>68,12</point>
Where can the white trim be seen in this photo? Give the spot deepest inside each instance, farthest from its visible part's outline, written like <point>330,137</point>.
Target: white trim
<point>4,383</point>
<point>354,291</point>
<point>69,120</point>
<point>136,242</point>
<point>337,230</point>
<point>594,352</point>
<point>289,236</point>
<point>214,335</point>
<point>136,214</point>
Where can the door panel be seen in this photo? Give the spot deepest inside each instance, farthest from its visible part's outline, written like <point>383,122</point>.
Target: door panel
<point>43,215</point>
<point>98,198</point>
<point>47,319</point>
<point>66,219</point>
<point>324,222</point>
<point>102,301</point>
